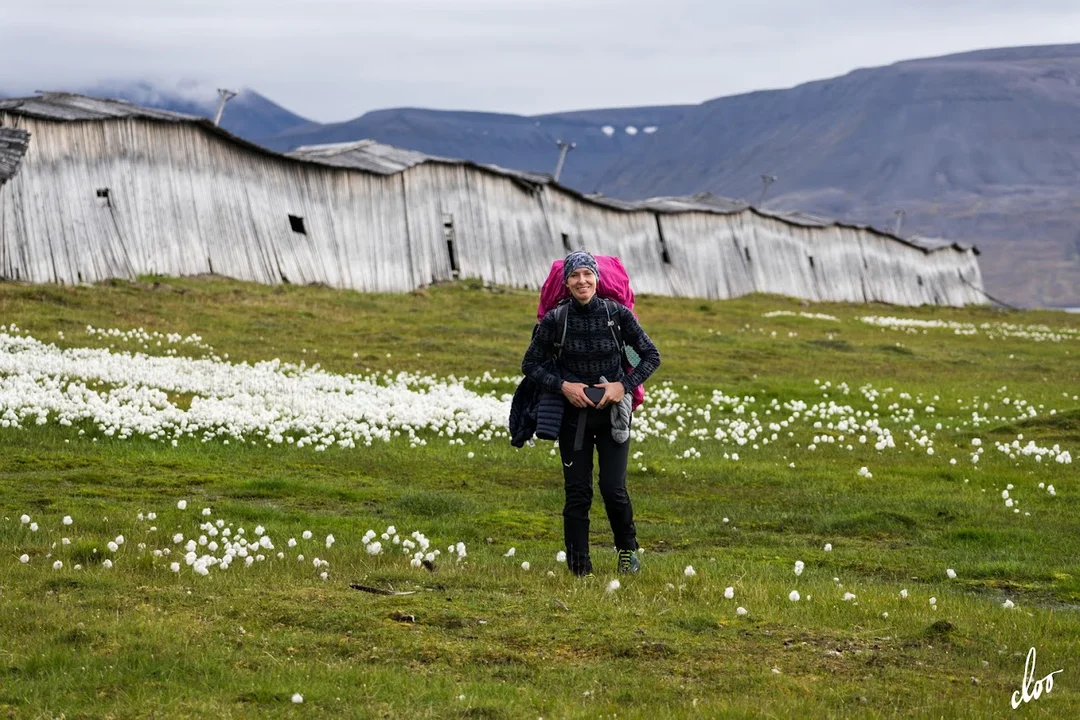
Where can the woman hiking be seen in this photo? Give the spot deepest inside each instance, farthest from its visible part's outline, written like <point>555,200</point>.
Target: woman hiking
<point>591,361</point>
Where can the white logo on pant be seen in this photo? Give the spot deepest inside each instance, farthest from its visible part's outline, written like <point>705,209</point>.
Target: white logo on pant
<point>568,464</point>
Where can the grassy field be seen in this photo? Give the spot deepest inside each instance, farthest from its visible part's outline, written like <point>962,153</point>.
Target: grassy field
<point>485,638</point>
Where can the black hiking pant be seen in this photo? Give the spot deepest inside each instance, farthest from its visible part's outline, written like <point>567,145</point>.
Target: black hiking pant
<point>577,476</point>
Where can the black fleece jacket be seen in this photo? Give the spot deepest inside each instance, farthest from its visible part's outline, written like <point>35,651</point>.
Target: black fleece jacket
<point>589,349</point>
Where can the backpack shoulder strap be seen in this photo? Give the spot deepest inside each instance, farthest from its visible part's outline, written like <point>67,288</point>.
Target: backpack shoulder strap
<point>613,325</point>
<point>562,314</point>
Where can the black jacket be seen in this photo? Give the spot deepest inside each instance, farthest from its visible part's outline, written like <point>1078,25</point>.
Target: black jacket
<point>534,411</point>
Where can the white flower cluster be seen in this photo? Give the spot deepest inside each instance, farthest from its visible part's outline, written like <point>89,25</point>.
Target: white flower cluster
<point>1035,333</point>
<point>811,316</point>
<point>146,339</point>
<point>123,394</point>
<point>1013,450</point>
<point>219,544</point>
<point>119,395</point>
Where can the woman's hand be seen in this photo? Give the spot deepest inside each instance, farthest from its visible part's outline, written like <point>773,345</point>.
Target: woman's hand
<point>575,393</point>
<point>613,393</point>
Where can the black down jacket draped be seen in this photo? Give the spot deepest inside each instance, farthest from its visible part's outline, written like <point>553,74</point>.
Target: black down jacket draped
<point>534,411</point>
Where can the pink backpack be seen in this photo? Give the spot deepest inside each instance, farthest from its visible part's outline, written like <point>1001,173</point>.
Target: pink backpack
<point>614,285</point>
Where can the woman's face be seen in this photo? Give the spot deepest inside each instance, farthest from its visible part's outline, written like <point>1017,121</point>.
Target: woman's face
<point>582,284</point>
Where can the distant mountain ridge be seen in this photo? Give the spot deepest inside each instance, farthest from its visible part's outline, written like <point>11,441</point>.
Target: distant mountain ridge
<point>248,115</point>
<point>981,147</point>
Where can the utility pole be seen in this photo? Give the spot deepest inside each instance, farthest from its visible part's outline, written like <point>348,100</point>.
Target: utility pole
<point>225,96</point>
<point>766,181</point>
<point>899,213</point>
<point>564,148</point>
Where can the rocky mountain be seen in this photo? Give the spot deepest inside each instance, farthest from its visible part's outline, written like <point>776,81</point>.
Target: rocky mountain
<point>601,137</point>
<point>982,147</point>
<point>249,114</point>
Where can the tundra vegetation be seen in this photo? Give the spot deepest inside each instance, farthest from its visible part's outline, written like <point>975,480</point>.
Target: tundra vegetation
<point>224,499</point>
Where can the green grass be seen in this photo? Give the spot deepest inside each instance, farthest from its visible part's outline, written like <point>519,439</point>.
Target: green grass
<point>138,639</point>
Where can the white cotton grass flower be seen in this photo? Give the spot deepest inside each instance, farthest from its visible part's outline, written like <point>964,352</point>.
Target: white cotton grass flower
<point>848,596</point>
<point>904,594</point>
<point>175,567</point>
<point>740,611</point>
<point>794,596</point>
<point>799,567</point>
<point>933,601</point>
<point>1008,604</point>
<point>560,556</point>
<point>729,593</point>
<point>828,547</point>
<point>510,552</point>
<point>292,542</point>
<point>24,558</point>
<point>613,586</point>
<point>297,698</point>
<point>113,547</point>
<point>106,563</point>
<point>33,527</point>
<point>181,505</point>
<point>57,565</point>
<point>119,540</point>
<point>259,529</point>
<point>330,541</point>
<point>306,535</point>
<point>206,511</point>
<point>67,520</point>
<point>65,541</point>
<point>525,565</point>
<point>689,571</point>
<point>24,519</point>
<point>951,573</point>
<point>373,548</point>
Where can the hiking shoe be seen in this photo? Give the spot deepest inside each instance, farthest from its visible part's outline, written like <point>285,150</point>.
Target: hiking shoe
<point>628,562</point>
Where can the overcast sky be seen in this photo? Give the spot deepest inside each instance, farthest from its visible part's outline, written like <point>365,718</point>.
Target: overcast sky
<point>336,59</point>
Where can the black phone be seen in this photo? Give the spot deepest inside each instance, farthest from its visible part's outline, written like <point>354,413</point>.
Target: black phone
<point>595,394</point>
